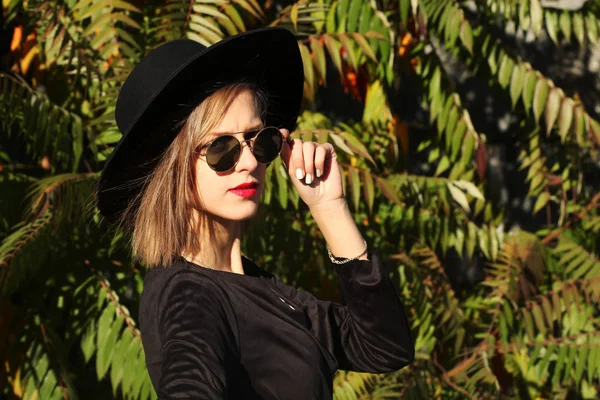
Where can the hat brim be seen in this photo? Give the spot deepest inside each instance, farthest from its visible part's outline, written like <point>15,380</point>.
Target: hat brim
<point>268,57</point>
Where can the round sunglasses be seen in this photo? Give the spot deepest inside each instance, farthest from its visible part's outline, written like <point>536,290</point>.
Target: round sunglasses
<point>224,152</point>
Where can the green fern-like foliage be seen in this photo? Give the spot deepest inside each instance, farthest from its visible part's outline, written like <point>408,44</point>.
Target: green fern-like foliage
<point>496,311</point>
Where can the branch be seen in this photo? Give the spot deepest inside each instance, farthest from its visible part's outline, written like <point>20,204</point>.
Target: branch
<point>556,233</point>
<point>112,297</point>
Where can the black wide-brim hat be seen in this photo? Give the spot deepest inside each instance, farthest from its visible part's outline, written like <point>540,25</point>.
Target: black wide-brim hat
<point>171,80</point>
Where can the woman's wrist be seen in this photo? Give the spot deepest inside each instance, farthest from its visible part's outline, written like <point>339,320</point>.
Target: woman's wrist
<point>339,229</point>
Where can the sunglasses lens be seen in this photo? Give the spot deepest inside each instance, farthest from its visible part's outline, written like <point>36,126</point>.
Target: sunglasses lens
<point>267,145</point>
<point>223,153</point>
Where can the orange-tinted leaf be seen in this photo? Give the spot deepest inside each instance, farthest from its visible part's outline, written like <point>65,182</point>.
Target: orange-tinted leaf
<point>17,37</point>
<point>481,157</point>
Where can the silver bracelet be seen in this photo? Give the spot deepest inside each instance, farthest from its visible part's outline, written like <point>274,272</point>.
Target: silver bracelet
<point>341,260</point>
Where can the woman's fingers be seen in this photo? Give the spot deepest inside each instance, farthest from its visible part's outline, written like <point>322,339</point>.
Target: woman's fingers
<point>308,149</point>
<point>297,159</point>
<point>305,159</point>
<point>286,149</point>
<point>320,154</point>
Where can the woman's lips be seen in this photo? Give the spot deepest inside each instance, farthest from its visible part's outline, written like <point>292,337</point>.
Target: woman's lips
<point>244,190</point>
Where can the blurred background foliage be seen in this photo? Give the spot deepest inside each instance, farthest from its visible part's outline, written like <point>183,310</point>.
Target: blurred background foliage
<point>468,132</point>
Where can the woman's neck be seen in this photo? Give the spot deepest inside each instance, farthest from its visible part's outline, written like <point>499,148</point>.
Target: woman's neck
<point>220,246</point>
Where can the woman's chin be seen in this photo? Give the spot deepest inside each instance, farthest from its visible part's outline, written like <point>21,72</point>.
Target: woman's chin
<point>241,213</point>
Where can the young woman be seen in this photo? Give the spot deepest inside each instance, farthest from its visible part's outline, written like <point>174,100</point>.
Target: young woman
<point>200,127</point>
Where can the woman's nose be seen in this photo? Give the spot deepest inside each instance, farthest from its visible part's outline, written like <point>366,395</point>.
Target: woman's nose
<point>247,159</point>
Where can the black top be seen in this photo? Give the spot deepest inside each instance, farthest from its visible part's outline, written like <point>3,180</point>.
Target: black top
<point>210,334</point>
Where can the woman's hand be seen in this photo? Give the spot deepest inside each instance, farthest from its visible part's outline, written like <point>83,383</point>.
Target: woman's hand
<point>314,170</point>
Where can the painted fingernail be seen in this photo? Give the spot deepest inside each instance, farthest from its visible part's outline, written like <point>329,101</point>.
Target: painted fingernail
<point>318,173</point>
<point>308,179</point>
<point>299,173</point>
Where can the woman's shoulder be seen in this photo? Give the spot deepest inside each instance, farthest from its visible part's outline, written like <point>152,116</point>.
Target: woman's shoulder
<point>175,276</point>
<point>182,270</point>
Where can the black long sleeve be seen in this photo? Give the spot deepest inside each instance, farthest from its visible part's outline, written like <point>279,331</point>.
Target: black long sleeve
<point>370,333</point>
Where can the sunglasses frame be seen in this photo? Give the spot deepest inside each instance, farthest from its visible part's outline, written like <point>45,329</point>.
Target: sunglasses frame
<point>251,145</point>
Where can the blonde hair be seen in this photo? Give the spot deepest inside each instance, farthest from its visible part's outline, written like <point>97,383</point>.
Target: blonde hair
<point>161,226</point>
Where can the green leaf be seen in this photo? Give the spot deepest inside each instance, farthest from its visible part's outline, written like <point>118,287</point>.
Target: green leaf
<point>369,190</point>
<point>547,355</point>
<point>536,13</point>
<point>307,65</point>
<point>88,341</point>
<point>458,138</point>
<point>320,59</point>
<point>591,27</point>
<point>560,361</point>
<point>209,10</point>
<point>342,9</point>
<point>466,35</point>
<point>350,51</point>
<point>354,15</point>
<point>468,147</point>
<point>579,124</point>
<point>565,25</point>
<point>404,12</point>
<point>539,98</point>
<point>529,88</point>
<point>357,146</point>
<point>98,23</point>
<point>528,324</point>
<point>281,177</point>
<point>441,121</point>
<point>364,44</point>
<point>547,312</point>
<point>442,166</point>
<point>578,28</point>
<point>388,189</point>
<point>581,363</point>
<point>459,196</point>
<point>524,17</point>
<point>552,108</point>
<point>471,239</point>
<point>123,5</point>
<point>334,48</point>
<point>118,361</point>
<point>330,22</point>
<point>103,345</point>
<point>453,116</point>
<point>355,189</point>
<point>552,25</point>
<point>541,201</point>
<point>573,350</point>
<point>565,117</point>
<point>256,11</point>
<point>104,324</point>
<point>505,71</point>
<point>434,83</point>
<point>593,362</point>
<point>517,80</point>
<point>538,317</point>
<point>340,143</point>
<point>235,16</point>
<point>470,188</point>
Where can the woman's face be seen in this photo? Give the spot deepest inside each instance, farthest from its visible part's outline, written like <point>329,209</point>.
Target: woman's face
<point>215,187</point>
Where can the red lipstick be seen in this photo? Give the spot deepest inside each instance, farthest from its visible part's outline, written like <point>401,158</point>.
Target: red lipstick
<point>247,189</point>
